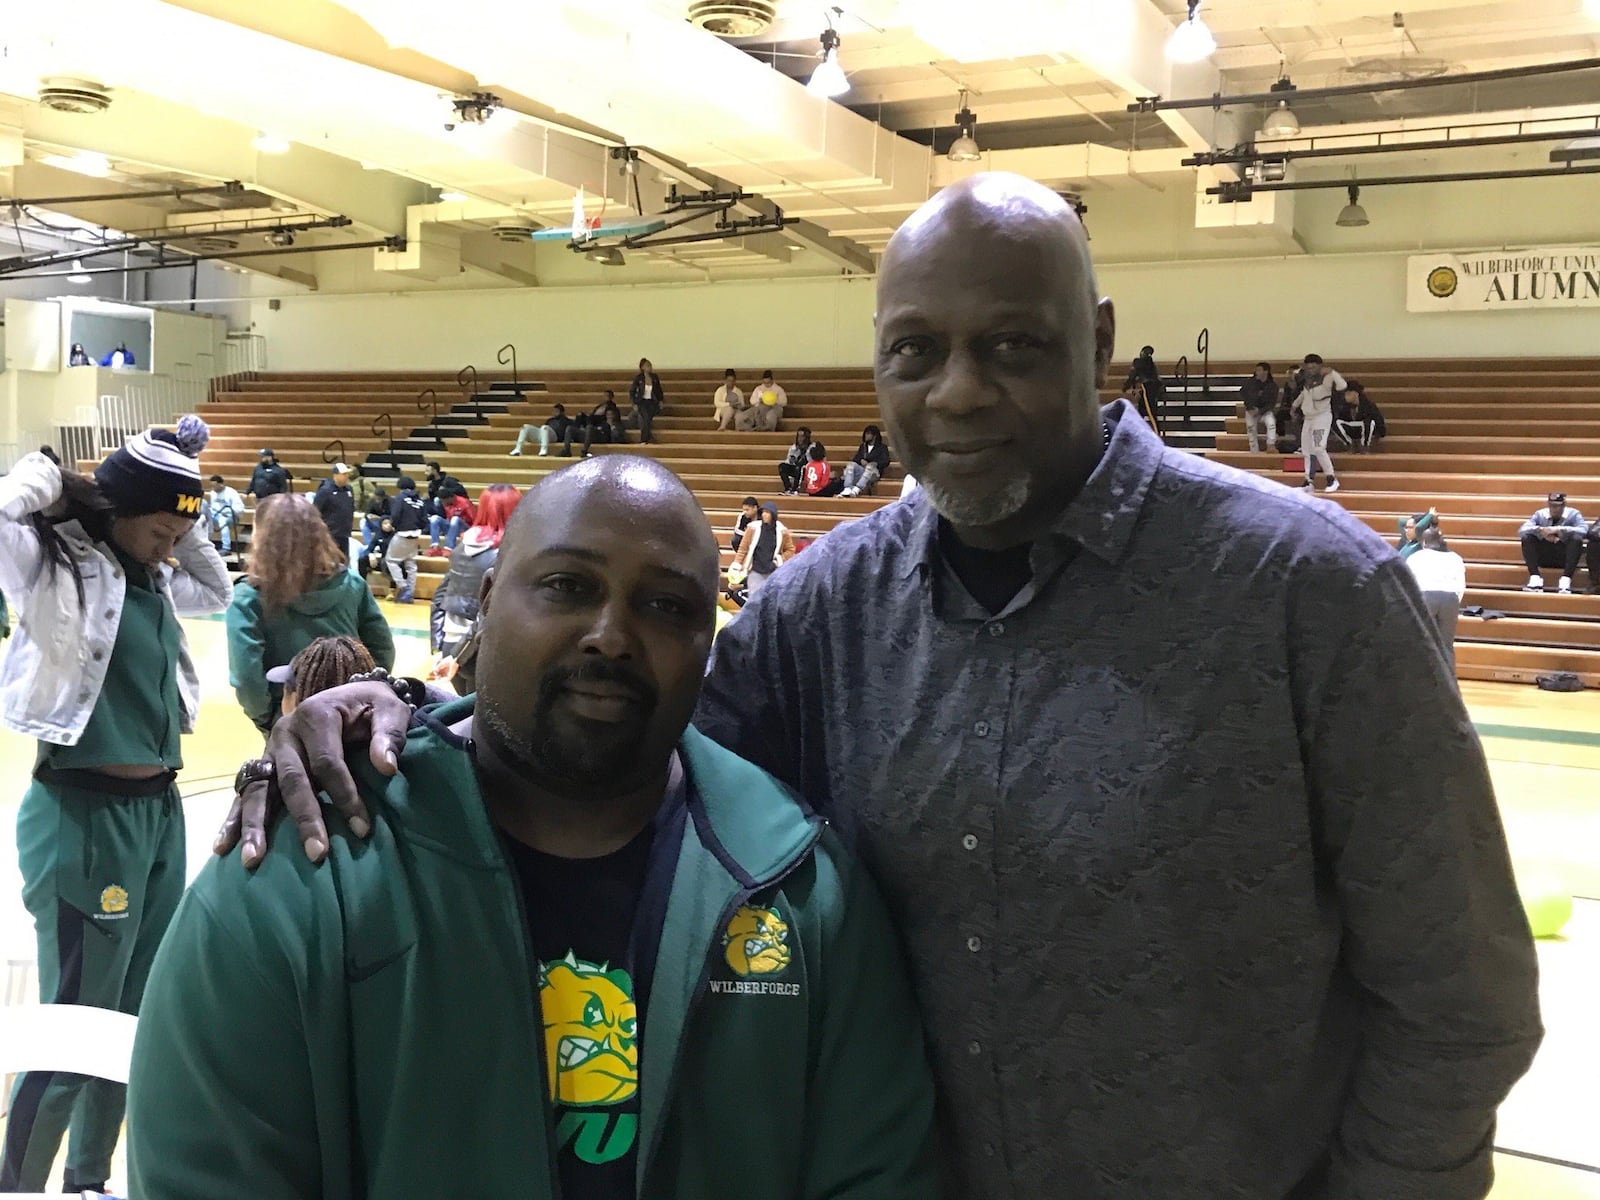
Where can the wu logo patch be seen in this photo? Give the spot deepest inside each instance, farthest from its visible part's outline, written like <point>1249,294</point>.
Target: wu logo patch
<point>114,900</point>
<point>189,504</point>
<point>756,942</point>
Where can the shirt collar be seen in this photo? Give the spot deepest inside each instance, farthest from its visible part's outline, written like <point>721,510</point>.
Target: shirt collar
<point>1101,518</point>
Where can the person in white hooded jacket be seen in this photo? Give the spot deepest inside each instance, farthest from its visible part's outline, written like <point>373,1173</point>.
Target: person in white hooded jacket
<point>767,544</point>
<point>99,672</point>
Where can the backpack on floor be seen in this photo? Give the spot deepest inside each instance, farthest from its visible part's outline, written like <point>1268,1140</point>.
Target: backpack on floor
<point>1559,681</point>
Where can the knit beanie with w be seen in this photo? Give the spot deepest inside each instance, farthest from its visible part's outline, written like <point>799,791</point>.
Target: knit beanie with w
<point>157,471</point>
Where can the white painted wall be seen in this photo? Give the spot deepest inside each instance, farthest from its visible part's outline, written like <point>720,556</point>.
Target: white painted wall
<point>1344,296</point>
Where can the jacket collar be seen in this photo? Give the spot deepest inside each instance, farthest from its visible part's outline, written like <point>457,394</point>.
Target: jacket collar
<point>1101,518</point>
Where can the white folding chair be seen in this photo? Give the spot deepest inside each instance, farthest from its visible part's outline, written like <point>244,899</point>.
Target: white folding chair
<point>66,1037</point>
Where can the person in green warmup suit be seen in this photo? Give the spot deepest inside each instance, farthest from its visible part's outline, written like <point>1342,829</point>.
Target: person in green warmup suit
<point>99,673</point>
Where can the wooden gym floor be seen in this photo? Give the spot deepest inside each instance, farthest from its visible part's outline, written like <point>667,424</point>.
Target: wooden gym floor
<point>1544,750</point>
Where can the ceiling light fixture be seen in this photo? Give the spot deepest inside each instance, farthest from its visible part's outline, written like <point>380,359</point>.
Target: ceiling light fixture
<point>1281,121</point>
<point>627,157</point>
<point>453,197</point>
<point>476,108</point>
<point>84,162</point>
<point>1191,42</point>
<point>1352,215</point>
<point>79,275</point>
<point>268,143</point>
<point>965,147</point>
<point>606,256</point>
<point>280,237</point>
<point>828,79</point>
<point>1578,149</point>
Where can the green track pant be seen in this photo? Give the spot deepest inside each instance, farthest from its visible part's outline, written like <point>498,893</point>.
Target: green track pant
<point>102,875</point>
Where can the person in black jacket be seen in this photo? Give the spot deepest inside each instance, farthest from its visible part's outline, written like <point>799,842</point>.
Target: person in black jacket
<point>1144,379</point>
<point>335,500</point>
<point>602,424</point>
<point>866,465</point>
<point>270,477</point>
<point>455,605</point>
<point>1259,395</point>
<point>750,511</point>
<point>794,465</point>
<point>1356,418</point>
<point>647,396</point>
<point>372,520</point>
<point>408,513</point>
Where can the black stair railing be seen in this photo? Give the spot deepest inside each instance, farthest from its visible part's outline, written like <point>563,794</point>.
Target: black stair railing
<point>501,357</point>
<point>428,402</point>
<point>1182,372</point>
<point>1202,345</point>
<point>383,426</point>
<point>330,455</point>
<point>467,378</point>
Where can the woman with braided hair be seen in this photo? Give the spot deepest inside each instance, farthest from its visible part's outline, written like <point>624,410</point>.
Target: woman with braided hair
<point>100,567</point>
<point>296,589</point>
<point>326,663</point>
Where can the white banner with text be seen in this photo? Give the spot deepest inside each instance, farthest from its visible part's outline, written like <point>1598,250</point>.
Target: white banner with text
<point>1561,277</point>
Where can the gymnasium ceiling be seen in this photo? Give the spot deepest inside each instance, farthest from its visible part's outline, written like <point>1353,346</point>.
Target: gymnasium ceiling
<point>361,90</point>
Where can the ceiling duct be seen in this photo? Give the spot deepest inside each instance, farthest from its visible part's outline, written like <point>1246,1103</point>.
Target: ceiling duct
<point>733,18</point>
<point>64,94</point>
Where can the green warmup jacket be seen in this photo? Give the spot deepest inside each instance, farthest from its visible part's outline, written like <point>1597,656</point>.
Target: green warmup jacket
<point>259,641</point>
<point>369,1027</point>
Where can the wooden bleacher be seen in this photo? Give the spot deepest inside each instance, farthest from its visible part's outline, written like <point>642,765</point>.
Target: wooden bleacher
<point>1481,441</point>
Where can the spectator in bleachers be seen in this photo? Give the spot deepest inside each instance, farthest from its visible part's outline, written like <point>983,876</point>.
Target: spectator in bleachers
<point>750,510</point>
<point>408,513</point>
<point>1290,423</point>
<point>270,477</point>
<point>438,480</point>
<point>793,466</point>
<point>50,453</point>
<point>767,403</point>
<point>1259,394</point>
<point>120,357</point>
<point>557,425</point>
<point>729,408</point>
<point>453,514</point>
<point>1144,383</point>
<point>79,357</point>
<point>1314,385</point>
<point>1553,537</point>
<point>1412,529</point>
<point>1594,559</point>
<point>220,510</point>
<point>376,509</point>
<point>326,663</point>
<point>597,425</point>
<point>454,613</point>
<point>374,554</point>
<point>296,589</point>
<point>647,398</point>
<point>867,465</point>
<point>1357,419</point>
<point>767,545</point>
<point>335,500</point>
<point>1441,574</point>
<point>818,479</point>
<point>361,488</point>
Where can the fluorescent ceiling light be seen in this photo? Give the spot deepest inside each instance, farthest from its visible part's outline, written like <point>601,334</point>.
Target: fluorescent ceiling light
<point>78,274</point>
<point>453,197</point>
<point>1191,42</point>
<point>267,143</point>
<point>84,162</point>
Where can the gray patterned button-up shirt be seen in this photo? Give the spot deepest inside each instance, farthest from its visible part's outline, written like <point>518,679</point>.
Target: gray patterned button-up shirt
<point>1192,847</point>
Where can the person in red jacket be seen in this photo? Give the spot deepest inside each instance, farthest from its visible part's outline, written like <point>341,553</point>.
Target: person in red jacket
<point>458,514</point>
<point>818,478</point>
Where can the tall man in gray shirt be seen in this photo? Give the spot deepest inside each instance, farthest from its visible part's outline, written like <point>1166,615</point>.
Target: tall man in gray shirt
<point>1187,833</point>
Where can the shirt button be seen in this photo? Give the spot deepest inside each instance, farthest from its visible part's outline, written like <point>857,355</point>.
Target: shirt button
<point>974,1048</point>
<point>981,729</point>
<point>83,696</point>
<point>974,944</point>
<point>998,628</point>
<point>111,614</point>
<point>970,842</point>
<point>98,655</point>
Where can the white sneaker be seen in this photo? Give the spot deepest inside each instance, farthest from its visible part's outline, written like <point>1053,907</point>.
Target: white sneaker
<point>1565,586</point>
<point>1308,486</point>
<point>1333,487</point>
<point>515,453</point>
<point>544,454</point>
<point>1535,583</point>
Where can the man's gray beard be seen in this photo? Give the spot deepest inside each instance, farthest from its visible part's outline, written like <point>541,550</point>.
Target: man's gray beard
<point>976,512</point>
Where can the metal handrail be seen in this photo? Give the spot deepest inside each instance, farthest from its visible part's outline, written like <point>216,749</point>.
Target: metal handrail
<point>1202,345</point>
<point>339,457</point>
<point>383,426</point>
<point>428,402</point>
<point>472,389</point>
<point>1181,370</point>
<point>516,383</point>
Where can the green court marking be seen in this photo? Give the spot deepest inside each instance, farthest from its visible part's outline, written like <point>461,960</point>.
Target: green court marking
<point>1533,733</point>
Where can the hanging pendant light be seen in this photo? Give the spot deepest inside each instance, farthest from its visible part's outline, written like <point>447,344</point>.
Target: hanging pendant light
<point>1352,215</point>
<point>965,147</point>
<point>1191,41</point>
<point>1281,121</point>
<point>828,79</point>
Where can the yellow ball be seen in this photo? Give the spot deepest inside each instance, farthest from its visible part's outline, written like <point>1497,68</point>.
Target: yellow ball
<point>1547,902</point>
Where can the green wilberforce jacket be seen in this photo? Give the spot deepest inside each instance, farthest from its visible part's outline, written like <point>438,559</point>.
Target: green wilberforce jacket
<point>370,1028</point>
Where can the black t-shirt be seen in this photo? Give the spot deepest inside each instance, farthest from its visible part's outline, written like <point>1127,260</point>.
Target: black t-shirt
<point>589,920</point>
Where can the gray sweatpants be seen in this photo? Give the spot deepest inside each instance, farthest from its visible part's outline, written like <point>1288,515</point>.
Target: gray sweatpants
<point>401,560</point>
<point>1254,423</point>
<point>1314,445</point>
<point>1445,609</point>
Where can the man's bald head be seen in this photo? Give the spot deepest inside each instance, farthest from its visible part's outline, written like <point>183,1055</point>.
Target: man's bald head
<point>637,492</point>
<point>992,342</point>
